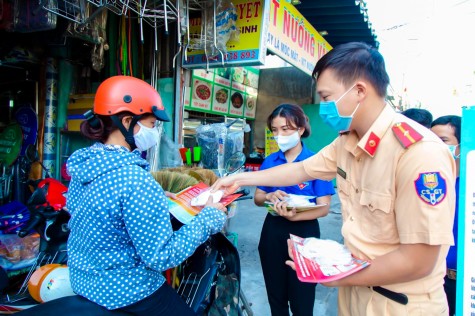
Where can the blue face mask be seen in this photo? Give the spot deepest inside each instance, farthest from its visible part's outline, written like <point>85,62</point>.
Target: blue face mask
<point>331,117</point>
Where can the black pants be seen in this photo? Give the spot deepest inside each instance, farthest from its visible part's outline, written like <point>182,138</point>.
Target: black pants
<point>450,290</point>
<point>282,285</point>
<point>163,302</point>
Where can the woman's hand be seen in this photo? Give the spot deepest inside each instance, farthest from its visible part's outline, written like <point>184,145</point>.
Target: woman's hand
<point>170,195</point>
<point>218,206</point>
<point>282,210</point>
<point>276,196</point>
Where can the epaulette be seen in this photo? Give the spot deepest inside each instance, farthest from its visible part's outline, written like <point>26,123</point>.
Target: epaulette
<point>405,134</point>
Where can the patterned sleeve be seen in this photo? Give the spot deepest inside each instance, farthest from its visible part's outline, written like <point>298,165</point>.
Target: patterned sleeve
<point>147,219</point>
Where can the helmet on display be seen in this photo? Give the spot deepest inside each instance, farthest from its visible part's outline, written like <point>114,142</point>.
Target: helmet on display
<point>50,282</point>
<point>124,93</point>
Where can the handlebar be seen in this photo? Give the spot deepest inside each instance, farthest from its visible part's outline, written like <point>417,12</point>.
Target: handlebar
<point>35,221</point>
<point>41,215</point>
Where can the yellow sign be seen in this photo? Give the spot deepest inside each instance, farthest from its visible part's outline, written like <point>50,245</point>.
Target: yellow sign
<point>271,144</point>
<point>293,38</point>
<point>248,49</point>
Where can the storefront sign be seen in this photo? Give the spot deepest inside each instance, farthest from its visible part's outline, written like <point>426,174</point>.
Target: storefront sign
<point>224,91</point>
<point>271,144</point>
<point>466,217</point>
<point>293,38</point>
<point>248,49</point>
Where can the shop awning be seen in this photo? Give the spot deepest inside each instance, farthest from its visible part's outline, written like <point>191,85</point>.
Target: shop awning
<point>339,21</point>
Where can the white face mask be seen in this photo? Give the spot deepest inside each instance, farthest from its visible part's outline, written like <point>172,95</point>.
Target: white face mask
<point>146,137</point>
<point>452,149</point>
<point>287,142</point>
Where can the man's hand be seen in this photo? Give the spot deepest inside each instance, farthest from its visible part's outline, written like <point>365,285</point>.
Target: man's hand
<point>228,184</point>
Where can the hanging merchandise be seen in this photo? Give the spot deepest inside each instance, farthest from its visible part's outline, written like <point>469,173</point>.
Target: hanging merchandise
<point>97,55</point>
<point>124,58</point>
<point>10,147</point>
<point>10,144</point>
<point>219,25</point>
<point>29,16</point>
<point>26,117</point>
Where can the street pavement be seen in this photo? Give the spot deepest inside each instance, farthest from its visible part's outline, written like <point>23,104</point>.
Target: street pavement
<point>247,224</point>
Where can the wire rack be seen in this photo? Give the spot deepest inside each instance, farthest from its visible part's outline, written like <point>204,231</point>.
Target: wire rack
<point>155,13</point>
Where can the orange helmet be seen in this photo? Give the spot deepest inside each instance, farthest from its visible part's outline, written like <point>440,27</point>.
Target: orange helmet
<point>124,93</point>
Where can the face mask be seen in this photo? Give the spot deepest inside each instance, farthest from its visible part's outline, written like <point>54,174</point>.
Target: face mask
<point>146,137</point>
<point>452,149</point>
<point>287,142</point>
<point>331,117</point>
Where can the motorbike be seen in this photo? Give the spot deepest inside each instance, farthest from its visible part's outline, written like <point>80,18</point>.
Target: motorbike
<point>209,280</point>
<point>49,218</point>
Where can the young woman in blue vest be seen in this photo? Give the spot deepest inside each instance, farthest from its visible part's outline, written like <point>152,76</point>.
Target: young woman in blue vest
<point>289,124</point>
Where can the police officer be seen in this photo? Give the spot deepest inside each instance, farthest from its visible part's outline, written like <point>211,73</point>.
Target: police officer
<point>397,200</point>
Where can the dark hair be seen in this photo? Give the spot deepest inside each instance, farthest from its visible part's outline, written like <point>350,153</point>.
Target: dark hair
<point>453,120</point>
<point>421,116</point>
<point>293,114</point>
<point>103,129</point>
<point>237,95</point>
<point>351,61</point>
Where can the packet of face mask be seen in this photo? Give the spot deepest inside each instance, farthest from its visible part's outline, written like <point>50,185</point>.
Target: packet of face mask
<point>325,252</point>
<point>294,200</point>
<point>203,197</point>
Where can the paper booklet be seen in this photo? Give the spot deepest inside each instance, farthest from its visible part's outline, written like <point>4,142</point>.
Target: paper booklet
<point>298,209</point>
<point>310,271</point>
<point>183,210</point>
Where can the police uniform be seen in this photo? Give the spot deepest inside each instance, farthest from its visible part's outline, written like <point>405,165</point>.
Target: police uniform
<point>282,285</point>
<point>396,186</point>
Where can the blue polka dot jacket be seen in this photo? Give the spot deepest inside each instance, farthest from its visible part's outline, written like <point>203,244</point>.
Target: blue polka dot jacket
<point>121,238</point>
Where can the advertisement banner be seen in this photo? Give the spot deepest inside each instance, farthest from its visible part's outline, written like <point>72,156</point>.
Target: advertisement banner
<point>224,91</point>
<point>466,217</point>
<point>271,144</point>
<point>293,38</point>
<point>221,96</point>
<point>248,48</point>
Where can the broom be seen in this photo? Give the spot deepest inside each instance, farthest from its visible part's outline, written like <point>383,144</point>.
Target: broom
<point>173,181</point>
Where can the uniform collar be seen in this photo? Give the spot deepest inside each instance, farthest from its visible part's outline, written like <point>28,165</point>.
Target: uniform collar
<point>370,141</point>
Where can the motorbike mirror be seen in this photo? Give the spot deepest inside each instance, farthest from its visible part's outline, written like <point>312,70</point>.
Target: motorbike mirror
<point>235,162</point>
<point>31,153</point>
<point>38,197</point>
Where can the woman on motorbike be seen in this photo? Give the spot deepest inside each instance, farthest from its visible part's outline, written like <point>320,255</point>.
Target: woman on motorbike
<point>121,238</point>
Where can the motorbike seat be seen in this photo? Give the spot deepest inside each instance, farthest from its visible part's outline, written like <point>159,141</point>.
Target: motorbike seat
<point>72,306</point>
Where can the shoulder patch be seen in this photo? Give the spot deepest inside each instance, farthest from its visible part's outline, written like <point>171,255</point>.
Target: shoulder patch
<point>431,187</point>
<point>405,134</point>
